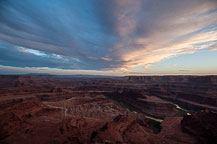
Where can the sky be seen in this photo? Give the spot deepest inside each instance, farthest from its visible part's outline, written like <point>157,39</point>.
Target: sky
<point>108,37</point>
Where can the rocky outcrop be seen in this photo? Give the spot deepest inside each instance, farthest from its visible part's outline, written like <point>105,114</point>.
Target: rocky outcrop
<point>202,125</point>
<point>122,129</point>
<point>15,118</point>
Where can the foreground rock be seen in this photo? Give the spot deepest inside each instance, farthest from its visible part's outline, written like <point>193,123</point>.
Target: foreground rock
<point>202,125</point>
<point>32,121</point>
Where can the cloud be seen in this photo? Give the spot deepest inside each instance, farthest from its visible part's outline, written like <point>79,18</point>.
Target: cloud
<point>11,55</point>
<point>103,35</point>
<point>184,70</point>
<point>213,46</point>
<point>146,67</point>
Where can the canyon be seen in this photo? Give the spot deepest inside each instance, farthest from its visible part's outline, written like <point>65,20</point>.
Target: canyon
<point>131,109</point>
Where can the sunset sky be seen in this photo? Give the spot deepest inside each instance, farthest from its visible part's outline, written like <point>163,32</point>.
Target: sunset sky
<point>108,37</point>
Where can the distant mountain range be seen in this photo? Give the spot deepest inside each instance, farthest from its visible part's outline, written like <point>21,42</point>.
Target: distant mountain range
<point>69,76</point>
